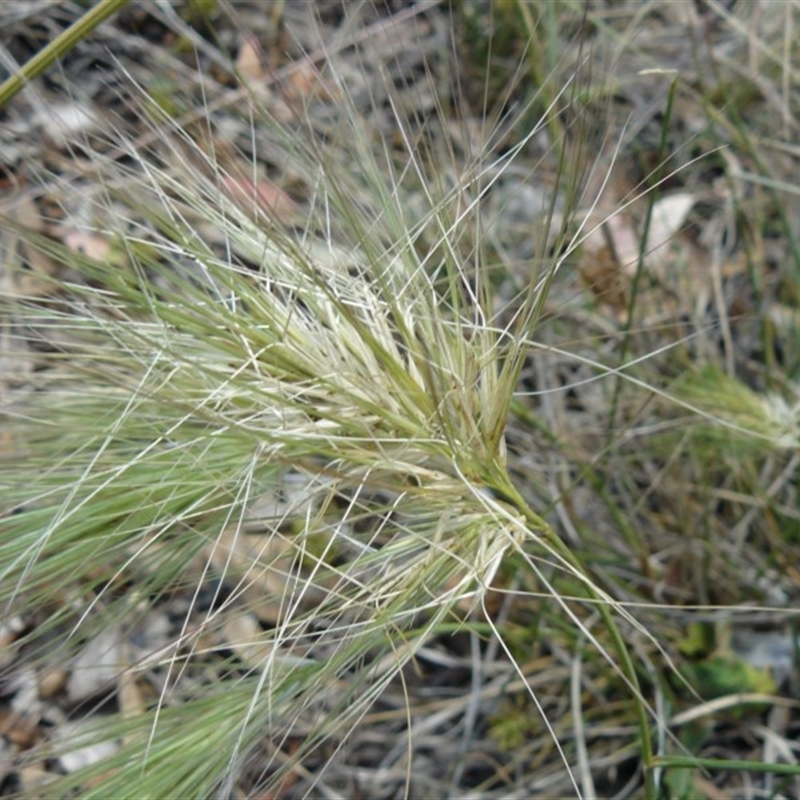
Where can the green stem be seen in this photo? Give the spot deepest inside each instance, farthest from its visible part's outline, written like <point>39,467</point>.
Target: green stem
<point>687,762</point>
<point>637,277</point>
<point>535,522</point>
<point>61,45</point>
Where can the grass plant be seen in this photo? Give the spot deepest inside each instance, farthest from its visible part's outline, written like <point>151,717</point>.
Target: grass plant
<point>282,446</point>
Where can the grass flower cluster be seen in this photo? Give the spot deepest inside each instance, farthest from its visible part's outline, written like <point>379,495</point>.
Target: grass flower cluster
<point>194,386</point>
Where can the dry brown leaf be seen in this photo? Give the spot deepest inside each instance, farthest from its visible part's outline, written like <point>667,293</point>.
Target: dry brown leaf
<point>244,636</point>
<point>130,697</point>
<point>33,778</point>
<point>262,196</point>
<point>611,249</point>
<point>305,83</point>
<point>18,728</point>
<point>259,566</point>
<point>52,681</point>
<point>21,210</point>
<point>88,244</point>
<point>248,61</point>
<point>600,272</point>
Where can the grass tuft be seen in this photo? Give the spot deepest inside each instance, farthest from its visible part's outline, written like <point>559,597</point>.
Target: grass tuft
<point>304,419</point>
